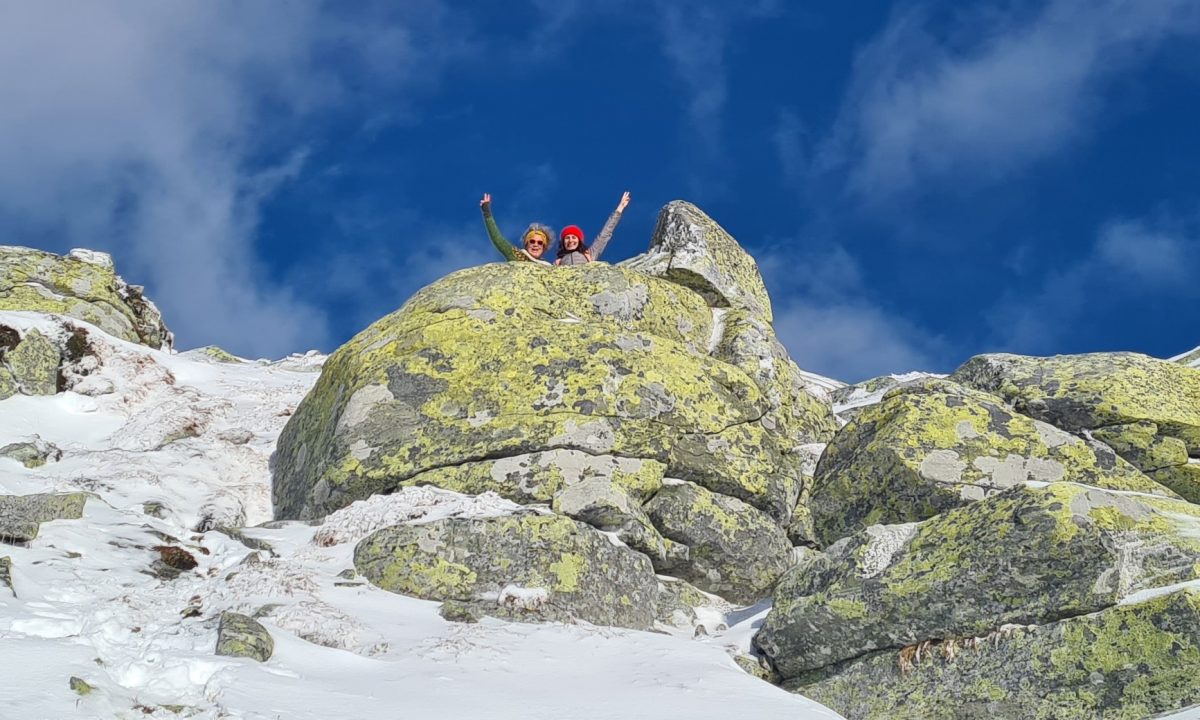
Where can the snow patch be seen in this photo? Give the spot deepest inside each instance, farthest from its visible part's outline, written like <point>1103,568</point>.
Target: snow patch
<point>411,504</point>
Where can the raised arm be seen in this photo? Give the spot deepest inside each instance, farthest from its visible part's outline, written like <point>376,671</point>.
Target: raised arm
<point>606,233</point>
<point>506,249</point>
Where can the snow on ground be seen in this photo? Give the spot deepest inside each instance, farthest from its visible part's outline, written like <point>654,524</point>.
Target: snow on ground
<point>176,446</point>
<point>1191,357</point>
<point>861,397</point>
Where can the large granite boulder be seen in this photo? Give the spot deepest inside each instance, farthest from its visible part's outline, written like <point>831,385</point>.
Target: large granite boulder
<point>527,567</point>
<point>934,445</point>
<point>1030,555</point>
<point>1127,662</point>
<point>690,248</point>
<point>83,285</point>
<point>732,550</point>
<point>579,388</point>
<point>1136,400</point>
<point>506,360</point>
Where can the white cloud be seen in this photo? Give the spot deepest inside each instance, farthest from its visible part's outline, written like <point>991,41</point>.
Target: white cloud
<point>140,127</point>
<point>789,139</point>
<point>1132,260</point>
<point>992,96</point>
<point>853,341</point>
<point>694,40</point>
<point>826,318</point>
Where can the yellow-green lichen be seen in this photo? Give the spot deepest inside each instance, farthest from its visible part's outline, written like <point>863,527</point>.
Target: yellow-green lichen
<point>567,570</point>
<point>464,372</point>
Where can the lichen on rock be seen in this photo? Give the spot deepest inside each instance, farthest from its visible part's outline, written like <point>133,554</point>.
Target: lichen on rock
<point>690,248</point>
<point>1118,396</point>
<point>734,550</point>
<point>22,515</point>
<point>242,636</point>
<point>466,374</point>
<point>30,366</point>
<point>81,285</point>
<point>527,566</point>
<point>1127,662</point>
<point>32,453</point>
<point>1030,555</point>
<point>935,445</point>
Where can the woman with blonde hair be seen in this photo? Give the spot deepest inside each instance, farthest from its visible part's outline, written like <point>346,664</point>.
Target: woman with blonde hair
<point>534,241</point>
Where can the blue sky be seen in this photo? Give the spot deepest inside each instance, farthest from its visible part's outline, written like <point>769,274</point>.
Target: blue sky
<point>920,181</point>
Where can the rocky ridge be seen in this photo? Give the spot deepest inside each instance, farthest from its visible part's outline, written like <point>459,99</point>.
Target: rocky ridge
<point>631,446</point>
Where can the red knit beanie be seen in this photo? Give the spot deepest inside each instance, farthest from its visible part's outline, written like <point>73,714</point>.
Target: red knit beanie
<point>571,230</point>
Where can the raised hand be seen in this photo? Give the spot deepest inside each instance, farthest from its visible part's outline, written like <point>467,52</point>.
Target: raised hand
<point>624,201</point>
<point>487,199</point>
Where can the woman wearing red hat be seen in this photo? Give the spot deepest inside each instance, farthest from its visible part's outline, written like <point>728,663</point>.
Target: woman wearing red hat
<point>572,251</point>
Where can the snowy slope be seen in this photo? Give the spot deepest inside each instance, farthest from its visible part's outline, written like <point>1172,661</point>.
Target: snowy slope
<point>190,435</point>
<point>1191,357</point>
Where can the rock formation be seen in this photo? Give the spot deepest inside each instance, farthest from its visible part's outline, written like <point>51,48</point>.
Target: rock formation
<point>651,400</point>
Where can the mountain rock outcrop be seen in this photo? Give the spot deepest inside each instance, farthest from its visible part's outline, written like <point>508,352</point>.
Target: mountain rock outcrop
<point>83,285</point>
<point>1127,662</point>
<point>1147,409</point>
<point>1017,540</point>
<point>651,400</point>
<point>1028,556</point>
<point>527,567</point>
<point>933,445</point>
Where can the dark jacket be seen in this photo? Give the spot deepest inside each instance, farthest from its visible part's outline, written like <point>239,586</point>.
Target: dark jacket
<point>577,257</point>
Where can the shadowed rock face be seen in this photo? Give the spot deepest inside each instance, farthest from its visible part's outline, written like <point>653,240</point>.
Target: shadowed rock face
<point>1127,662</point>
<point>81,285</point>
<point>582,388</point>
<point>1030,555</point>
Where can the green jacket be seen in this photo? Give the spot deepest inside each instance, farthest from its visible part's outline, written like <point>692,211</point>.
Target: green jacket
<point>511,253</point>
